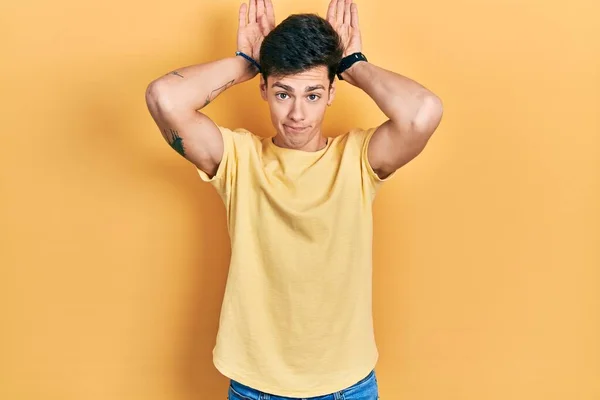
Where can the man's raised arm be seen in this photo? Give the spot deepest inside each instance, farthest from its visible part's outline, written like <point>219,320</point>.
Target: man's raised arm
<point>414,112</point>
<point>173,101</point>
<point>175,98</point>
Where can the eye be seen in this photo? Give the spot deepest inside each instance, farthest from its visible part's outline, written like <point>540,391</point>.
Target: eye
<point>285,94</point>
<point>317,97</point>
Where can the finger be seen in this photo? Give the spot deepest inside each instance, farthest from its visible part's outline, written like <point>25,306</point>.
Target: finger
<point>252,13</point>
<point>270,12</point>
<point>264,25</point>
<point>331,11</point>
<point>260,9</point>
<point>339,13</point>
<point>354,12</point>
<point>347,12</point>
<point>243,19</point>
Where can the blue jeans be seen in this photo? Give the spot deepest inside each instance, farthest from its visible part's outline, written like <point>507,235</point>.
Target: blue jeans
<point>365,389</point>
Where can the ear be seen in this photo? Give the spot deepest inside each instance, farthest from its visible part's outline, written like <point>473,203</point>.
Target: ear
<point>331,93</point>
<point>263,88</point>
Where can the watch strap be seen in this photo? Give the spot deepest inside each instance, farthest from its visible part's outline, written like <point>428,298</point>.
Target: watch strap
<point>348,61</point>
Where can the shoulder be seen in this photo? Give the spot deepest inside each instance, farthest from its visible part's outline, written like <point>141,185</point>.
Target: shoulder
<point>361,135</point>
<point>237,144</point>
<point>361,139</point>
<point>357,138</point>
<point>238,137</point>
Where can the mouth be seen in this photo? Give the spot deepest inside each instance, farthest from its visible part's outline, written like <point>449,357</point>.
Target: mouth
<point>295,128</point>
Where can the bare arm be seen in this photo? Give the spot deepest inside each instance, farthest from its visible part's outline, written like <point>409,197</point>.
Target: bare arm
<point>194,87</point>
<point>413,111</point>
<point>173,101</point>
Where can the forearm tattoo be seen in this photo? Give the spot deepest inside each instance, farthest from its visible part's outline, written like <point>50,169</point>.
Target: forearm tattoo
<point>210,97</point>
<point>174,140</point>
<point>175,73</point>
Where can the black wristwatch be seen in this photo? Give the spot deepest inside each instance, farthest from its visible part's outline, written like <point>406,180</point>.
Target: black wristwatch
<point>348,61</point>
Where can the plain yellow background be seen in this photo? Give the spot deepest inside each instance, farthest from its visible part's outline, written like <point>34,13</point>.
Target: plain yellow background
<point>114,254</point>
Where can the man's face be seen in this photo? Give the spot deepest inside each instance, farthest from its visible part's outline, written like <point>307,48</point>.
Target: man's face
<point>298,101</point>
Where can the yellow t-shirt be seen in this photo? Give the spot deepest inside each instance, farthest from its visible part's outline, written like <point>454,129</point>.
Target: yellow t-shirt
<point>296,319</point>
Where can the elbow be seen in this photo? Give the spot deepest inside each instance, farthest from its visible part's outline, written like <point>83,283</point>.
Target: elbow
<point>428,116</point>
<point>155,90</point>
<point>157,97</point>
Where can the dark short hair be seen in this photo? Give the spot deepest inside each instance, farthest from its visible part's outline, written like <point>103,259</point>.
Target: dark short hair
<point>299,43</point>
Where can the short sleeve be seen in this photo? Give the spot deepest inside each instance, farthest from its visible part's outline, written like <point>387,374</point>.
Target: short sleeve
<point>364,137</point>
<point>235,144</point>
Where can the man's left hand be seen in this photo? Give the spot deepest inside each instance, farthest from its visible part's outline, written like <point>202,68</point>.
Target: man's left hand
<point>343,16</point>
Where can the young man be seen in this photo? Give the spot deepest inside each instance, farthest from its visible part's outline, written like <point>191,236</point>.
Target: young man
<point>296,320</point>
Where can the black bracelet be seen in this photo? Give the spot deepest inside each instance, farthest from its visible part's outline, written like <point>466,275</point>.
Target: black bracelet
<point>348,61</point>
<point>247,57</point>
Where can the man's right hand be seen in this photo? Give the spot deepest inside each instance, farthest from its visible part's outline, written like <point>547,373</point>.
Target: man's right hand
<point>255,22</point>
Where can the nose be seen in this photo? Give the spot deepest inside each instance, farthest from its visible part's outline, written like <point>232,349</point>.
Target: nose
<point>297,113</point>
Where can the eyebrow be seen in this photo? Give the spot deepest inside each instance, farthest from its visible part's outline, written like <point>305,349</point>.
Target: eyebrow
<point>291,89</point>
